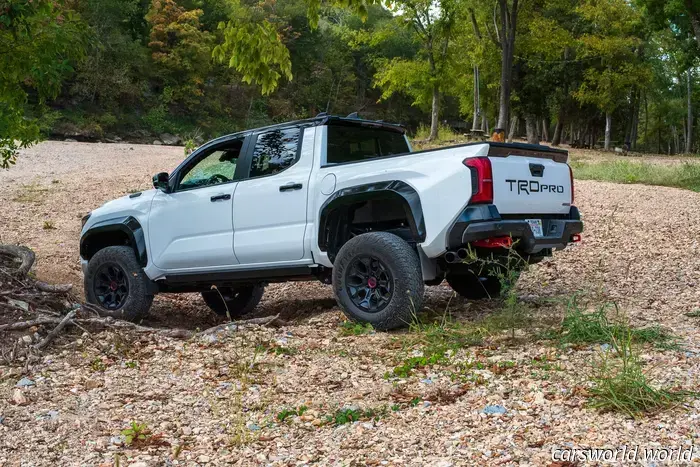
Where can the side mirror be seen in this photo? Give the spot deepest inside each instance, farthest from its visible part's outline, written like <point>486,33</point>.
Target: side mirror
<point>160,181</point>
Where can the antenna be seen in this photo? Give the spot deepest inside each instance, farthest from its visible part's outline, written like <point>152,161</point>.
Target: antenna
<point>353,115</point>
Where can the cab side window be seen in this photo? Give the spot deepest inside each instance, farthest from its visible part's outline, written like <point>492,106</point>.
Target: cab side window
<point>275,151</point>
<point>217,166</point>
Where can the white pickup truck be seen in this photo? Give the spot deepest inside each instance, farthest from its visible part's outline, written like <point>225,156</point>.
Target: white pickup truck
<point>342,200</point>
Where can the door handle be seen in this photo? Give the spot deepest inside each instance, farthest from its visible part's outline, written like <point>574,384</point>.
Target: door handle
<point>291,186</point>
<point>220,197</point>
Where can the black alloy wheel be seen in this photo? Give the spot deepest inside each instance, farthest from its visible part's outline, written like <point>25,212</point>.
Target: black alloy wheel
<point>369,284</point>
<point>111,286</point>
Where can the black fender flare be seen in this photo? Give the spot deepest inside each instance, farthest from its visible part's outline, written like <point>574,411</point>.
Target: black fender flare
<point>390,189</point>
<point>127,225</point>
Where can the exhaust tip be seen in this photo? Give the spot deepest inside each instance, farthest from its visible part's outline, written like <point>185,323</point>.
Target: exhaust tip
<point>462,253</point>
<point>451,257</point>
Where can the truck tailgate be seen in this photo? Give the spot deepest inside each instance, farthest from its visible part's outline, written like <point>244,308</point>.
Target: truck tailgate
<point>530,185</point>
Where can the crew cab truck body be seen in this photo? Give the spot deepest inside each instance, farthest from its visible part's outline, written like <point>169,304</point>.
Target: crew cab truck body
<point>342,200</point>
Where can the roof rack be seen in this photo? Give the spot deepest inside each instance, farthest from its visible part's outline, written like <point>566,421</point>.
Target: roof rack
<point>322,114</point>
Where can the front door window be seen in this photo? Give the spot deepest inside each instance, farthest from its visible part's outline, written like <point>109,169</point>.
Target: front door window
<point>215,168</point>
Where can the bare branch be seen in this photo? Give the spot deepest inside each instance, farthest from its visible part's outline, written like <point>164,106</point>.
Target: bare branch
<point>56,331</point>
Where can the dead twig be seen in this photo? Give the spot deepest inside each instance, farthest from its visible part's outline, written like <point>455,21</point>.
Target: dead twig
<point>267,320</point>
<point>56,331</point>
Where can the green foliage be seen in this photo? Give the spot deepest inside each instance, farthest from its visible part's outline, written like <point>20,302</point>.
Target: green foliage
<point>349,328</point>
<point>253,47</point>
<point>582,327</point>
<point>181,50</point>
<point>445,134</point>
<point>350,415</point>
<point>38,41</point>
<point>94,69</point>
<point>434,356</point>
<point>98,365</point>
<point>620,384</point>
<point>686,175</point>
<point>137,433</point>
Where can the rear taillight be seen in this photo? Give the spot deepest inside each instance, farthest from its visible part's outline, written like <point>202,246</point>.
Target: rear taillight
<point>571,176</point>
<point>482,179</point>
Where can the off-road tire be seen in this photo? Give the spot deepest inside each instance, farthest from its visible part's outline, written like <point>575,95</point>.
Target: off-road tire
<point>238,300</point>
<point>139,297</point>
<point>403,264</point>
<point>473,287</point>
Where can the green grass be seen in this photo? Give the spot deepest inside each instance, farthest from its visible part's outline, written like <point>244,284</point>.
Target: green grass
<point>286,413</point>
<point>620,385</point>
<point>349,328</point>
<point>685,175</point>
<point>349,415</point>
<point>595,327</point>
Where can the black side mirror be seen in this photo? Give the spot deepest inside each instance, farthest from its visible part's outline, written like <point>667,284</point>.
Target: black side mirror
<point>160,181</point>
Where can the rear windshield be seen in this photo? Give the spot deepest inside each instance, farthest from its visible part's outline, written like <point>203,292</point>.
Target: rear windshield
<point>356,143</point>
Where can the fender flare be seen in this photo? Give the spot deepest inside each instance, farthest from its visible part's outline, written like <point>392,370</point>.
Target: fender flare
<point>127,225</point>
<point>390,189</point>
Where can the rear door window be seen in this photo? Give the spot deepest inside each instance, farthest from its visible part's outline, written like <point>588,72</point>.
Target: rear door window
<point>348,143</point>
<point>275,151</point>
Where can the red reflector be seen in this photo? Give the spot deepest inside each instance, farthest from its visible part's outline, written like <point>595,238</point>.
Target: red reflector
<point>494,242</point>
<point>482,179</point>
<point>576,238</point>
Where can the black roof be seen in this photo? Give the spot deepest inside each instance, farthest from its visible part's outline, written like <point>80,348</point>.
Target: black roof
<point>321,119</point>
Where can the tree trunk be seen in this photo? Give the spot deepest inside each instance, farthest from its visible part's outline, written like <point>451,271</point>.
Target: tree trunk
<point>646,123</point>
<point>635,125</point>
<point>434,114</point>
<point>608,127</point>
<point>513,129</point>
<point>694,19</point>
<point>556,139</point>
<point>477,104</point>
<point>689,132</point>
<point>508,28</point>
<point>531,129</point>
<point>545,130</point>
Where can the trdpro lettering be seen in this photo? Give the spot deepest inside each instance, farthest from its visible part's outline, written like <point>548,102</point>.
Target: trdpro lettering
<point>533,186</point>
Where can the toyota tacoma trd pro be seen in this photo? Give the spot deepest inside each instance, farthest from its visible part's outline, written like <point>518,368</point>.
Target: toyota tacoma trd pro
<point>339,199</point>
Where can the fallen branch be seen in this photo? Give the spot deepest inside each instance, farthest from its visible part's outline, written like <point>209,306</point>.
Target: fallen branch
<point>29,324</point>
<point>51,288</point>
<point>22,253</point>
<point>47,340</point>
<point>110,322</point>
<point>267,320</point>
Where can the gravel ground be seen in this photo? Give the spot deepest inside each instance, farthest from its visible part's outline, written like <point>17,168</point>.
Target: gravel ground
<point>216,402</point>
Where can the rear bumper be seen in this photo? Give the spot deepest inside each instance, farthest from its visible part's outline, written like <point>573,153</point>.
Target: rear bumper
<point>478,222</point>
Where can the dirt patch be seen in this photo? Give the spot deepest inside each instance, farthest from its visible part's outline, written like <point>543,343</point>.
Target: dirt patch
<point>220,402</point>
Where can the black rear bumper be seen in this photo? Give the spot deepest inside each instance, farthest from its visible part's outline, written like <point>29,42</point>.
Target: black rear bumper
<point>482,221</point>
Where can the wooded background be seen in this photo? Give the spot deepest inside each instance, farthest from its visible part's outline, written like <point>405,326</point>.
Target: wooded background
<point>608,72</point>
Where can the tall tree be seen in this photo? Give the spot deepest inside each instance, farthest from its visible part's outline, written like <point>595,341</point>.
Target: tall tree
<point>610,43</point>
<point>434,25</point>
<point>508,26</point>
<point>38,41</point>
